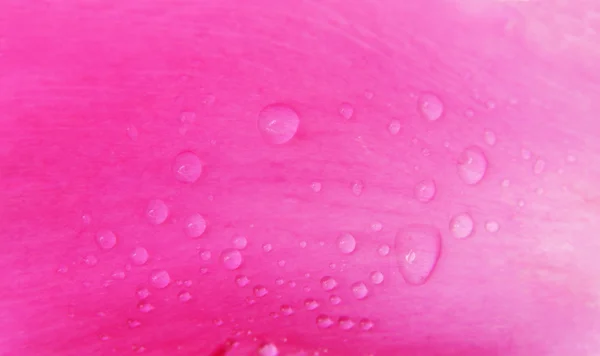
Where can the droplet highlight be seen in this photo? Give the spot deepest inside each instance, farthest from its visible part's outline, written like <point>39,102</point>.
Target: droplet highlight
<point>417,249</point>
<point>278,123</point>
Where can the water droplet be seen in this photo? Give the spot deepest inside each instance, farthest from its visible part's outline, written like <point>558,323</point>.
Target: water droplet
<point>242,280</point>
<point>278,123</point>
<point>316,186</point>
<point>376,226</point>
<point>425,190</point>
<point>106,239</point>
<point>492,226</point>
<point>360,290</point>
<point>505,183</point>
<point>195,225</point>
<point>232,259</point>
<point>346,110</point>
<point>472,165</point>
<point>187,117</point>
<point>346,243</point>
<point>286,310</point>
<point>324,321</point>
<point>525,154</point>
<point>240,242</point>
<point>394,127</point>
<point>303,244</point>
<point>132,132</point>
<point>539,166</point>
<point>461,225</point>
<point>279,281</point>
<point>376,277</point>
<point>187,167</point>
<point>368,94</point>
<point>383,250</point>
<point>90,260</point>
<point>86,219</point>
<point>489,137</point>
<point>184,296</point>
<point>357,187</point>
<point>268,350</point>
<point>218,321</point>
<point>281,263</point>
<point>418,250</point>
<point>430,106</point>
<point>203,270</point>
<point>160,279</point>
<point>205,255</point>
<point>62,269</point>
<point>132,323</point>
<point>143,293</point>
<point>366,324</point>
<point>145,307</point>
<point>345,323</point>
<point>311,304</point>
<point>260,291</point>
<point>469,113</point>
<point>267,247</point>
<point>157,211</point>
<point>335,299</point>
<point>119,275</point>
<point>328,283</point>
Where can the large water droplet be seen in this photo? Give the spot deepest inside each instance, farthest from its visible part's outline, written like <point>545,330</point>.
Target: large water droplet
<point>377,277</point>
<point>160,279</point>
<point>431,106</point>
<point>461,225</point>
<point>231,258</point>
<point>278,123</point>
<point>195,225</point>
<point>345,323</point>
<point>157,211</point>
<point>187,167</point>
<point>360,290</point>
<point>106,239</point>
<point>472,165</point>
<point>311,304</point>
<point>418,249</point>
<point>268,350</point>
<point>139,256</point>
<point>324,321</point>
<point>328,283</point>
<point>425,190</point>
<point>346,243</point>
<point>346,110</point>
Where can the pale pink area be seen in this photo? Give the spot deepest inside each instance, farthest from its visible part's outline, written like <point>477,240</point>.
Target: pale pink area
<point>98,98</point>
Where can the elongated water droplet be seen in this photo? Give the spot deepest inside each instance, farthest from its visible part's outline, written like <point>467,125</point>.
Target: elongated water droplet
<point>346,243</point>
<point>417,250</point>
<point>278,123</point>
<point>360,290</point>
<point>157,211</point>
<point>231,258</point>
<point>472,165</point>
<point>461,225</point>
<point>539,166</point>
<point>430,106</point>
<point>139,256</point>
<point>106,239</point>
<point>187,167</point>
<point>195,225</point>
<point>160,279</point>
<point>425,190</point>
<point>328,283</point>
<point>324,321</point>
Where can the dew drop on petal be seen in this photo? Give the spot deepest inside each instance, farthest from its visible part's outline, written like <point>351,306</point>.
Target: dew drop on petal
<point>417,249</point>
<point>278,123</point>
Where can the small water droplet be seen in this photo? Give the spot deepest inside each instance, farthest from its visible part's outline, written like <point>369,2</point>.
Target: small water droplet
<point>268,350</point>
<point>242,280</point>
<point>260,291</point>
<point>345,323</point>
<point>571,159</point>
<point>205,255</point>
<point>346,110</point>
<point>394,127</point>
<point>418,250</point>
<point>157,211</point>
<point>360,290</point>
<point>90,260</point>
<point>489,137</point>
<point>472,165</point>
<point>377,277</point>
<point>368,94</point>
<point>461,225</point>
<point>328,283</point>
<point>218,321</point>
<point>539,166</point>
<point>286,310</point>
<point>267,247</point>
<point>383,250</point>
<point>335,299</point>
<point>106,239</point>
<point>366,324</point>
<point>281,263</point>
<point>231,258</point>
<point>469,113</point>
<point>316,186</point>
<point>346,243</point>
<point>240,242</point>
<point>279,281</point>
<point>311,304</point>
<point>278,123</point>
<point>505,183</point>
<point>139,256</point>
<point>86,219</point>
<point>303,244</point>
<point>132,132</point>
<point>425,190</point>
<point>143,293</point>
<point>431,106</point>
<point>187,117</point>
<point>145,307</point>
<point>160,278</point>
<point>132,323</point>
<point>357,187</point>
<point>62,269</point>
<point>184,296</point>
<point>195,225</point>
<point>187,167</point>
<point>324,321</point>
<point>525,154</point>
<point>377,226</point>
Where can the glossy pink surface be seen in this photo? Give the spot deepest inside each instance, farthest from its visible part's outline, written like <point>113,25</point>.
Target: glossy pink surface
<point>98,99</point>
